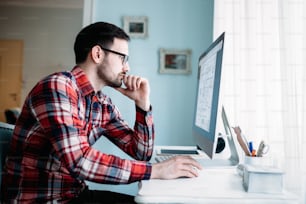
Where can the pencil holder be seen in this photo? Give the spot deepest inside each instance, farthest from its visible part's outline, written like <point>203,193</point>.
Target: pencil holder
<point>257,161</point>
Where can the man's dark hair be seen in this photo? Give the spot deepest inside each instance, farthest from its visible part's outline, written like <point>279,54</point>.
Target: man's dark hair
<point>97,33</point>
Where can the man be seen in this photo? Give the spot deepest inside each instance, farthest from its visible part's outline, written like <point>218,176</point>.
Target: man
<point>51,154</point>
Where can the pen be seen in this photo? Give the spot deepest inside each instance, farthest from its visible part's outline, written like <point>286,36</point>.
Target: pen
<point>251,146</point>
<point>254,153</point>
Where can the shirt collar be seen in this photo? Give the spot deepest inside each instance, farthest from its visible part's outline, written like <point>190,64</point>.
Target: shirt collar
<point>82,81</point>
<point>85,85</point>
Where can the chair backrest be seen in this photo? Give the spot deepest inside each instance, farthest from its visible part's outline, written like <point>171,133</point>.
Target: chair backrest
<point>6,133</point>
<point>11,115</point>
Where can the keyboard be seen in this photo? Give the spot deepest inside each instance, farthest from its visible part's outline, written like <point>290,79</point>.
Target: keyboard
<point>166,153</point>
<point>205,162</point>
<point>161,158</point>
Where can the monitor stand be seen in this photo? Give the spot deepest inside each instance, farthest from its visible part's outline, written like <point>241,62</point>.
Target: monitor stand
<point>226,154</point>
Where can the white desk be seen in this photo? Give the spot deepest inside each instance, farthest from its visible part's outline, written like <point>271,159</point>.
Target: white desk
<point>212,186</point>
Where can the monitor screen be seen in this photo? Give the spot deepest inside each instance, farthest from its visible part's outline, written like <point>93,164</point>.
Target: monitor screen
<point>207,97</point>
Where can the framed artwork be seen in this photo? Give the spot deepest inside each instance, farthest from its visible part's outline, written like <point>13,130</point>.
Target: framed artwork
<point>175,61</point>
<point>136,26</point>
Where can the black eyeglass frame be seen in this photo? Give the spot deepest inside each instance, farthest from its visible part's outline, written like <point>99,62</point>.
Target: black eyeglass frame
<point>125,58</point>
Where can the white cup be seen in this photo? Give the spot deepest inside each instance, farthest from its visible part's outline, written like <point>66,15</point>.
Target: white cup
<point>257,161</point>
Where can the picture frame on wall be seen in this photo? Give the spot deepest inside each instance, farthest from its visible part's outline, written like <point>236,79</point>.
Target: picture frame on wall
<point>136,26</point>
<point>175,61</point>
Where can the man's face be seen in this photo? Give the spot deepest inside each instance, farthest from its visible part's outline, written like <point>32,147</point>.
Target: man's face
<point>113,67</point>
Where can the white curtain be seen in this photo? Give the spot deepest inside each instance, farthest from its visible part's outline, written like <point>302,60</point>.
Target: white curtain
<point>264,78</point>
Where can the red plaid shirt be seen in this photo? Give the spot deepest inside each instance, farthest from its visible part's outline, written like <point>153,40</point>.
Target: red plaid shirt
<point>51,153</point>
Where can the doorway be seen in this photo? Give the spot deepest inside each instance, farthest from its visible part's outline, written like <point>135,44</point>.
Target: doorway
<point>11,61</point>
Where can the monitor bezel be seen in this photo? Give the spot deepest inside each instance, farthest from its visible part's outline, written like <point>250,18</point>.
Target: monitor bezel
<point>206,140</point>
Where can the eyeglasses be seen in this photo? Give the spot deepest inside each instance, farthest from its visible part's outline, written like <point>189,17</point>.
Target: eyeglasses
<point>124,57</point>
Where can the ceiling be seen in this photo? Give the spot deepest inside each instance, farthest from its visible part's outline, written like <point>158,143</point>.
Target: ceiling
<point>44,3</point>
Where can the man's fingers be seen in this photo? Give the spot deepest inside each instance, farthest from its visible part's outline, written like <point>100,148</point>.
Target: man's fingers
<point>176,167</point>
<point>189,167</point>
<point>132,82</point>
<point>192,162</point>
<point>138,82</point>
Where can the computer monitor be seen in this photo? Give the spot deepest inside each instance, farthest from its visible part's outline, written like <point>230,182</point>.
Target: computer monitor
<point>206,114</point>
<point>207,97</point>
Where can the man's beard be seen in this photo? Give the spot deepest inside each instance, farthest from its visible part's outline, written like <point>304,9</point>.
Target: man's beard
<point>115,83</point>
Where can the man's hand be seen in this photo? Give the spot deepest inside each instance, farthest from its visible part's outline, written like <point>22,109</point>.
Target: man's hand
<point>178,166</point>
<point>137,89</point>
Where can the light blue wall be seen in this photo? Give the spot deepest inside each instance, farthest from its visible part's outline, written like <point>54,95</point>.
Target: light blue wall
<point>173,24</point>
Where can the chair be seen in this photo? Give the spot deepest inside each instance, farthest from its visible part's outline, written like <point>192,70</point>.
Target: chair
<point>11,115</point>
<point>6,133</point>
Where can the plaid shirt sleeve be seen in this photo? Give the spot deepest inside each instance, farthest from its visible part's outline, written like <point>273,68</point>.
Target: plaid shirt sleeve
<point>57,106</point>
<point>137,142</point>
